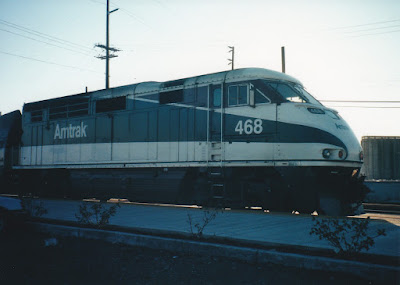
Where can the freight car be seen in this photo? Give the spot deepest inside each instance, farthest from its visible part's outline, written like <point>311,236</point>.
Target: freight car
<point>382,157</point>
<point>246,137</point>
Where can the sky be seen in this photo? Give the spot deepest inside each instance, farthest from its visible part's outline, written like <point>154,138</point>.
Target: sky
<point>341,50</point>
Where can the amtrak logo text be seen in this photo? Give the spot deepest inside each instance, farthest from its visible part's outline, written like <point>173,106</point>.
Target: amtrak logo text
<point>70,132</point>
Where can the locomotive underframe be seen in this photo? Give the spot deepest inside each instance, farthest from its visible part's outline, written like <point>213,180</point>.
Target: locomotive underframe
<point>329,190</point>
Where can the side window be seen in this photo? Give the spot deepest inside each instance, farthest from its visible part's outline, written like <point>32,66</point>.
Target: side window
<point>242,98</point>
<point>232,95</point>
<point>217,97</point>
<point>260,98</point>
<point>238,95</point>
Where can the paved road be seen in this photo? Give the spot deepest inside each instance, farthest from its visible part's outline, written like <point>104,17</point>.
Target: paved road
<point>249,226</point>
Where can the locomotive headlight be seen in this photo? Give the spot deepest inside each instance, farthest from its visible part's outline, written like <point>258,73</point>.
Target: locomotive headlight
<point>326,153</point>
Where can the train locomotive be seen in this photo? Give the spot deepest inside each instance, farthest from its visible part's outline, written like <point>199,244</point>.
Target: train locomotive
<point>239,138</point>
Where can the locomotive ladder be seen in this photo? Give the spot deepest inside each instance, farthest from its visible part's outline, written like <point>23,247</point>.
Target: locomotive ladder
<point>216,175</point>
<point>217,184</point>
<point>215,171</point>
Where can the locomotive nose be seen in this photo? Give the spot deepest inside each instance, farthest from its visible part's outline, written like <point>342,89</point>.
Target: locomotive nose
<point>342,130</point>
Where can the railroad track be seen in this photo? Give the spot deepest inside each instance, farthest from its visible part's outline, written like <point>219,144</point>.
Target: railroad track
<point>393,209</point>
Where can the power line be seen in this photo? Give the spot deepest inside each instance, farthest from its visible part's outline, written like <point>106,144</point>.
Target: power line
<point>354,29</point>
<point>372,29</point>
<point>366,107</point>
<point>366,102</point>
<point>130,14</point>
<point>48,62</point>
<point>358,101</point>
<point>43,35</point>
<point>97,2</point>
<point>367,24</point>
<point>127,12</point>
<point>381,33</point>
<point>33,39</point>
<point>164,6</point>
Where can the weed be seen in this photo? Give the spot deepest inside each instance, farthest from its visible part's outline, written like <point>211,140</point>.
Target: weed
<point>96,214</point>
<point>34,207</point>
<point>347,236</point>
<point>197,228</point>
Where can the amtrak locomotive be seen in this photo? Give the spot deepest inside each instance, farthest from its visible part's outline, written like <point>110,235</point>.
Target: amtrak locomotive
<point>246,137</point>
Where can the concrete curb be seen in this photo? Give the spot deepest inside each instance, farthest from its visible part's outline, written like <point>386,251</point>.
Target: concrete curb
<point>364,270</point>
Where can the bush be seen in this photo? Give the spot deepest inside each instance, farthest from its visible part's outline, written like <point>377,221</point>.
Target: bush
<point>34,207</point>
<point>197,228</point>
<point>97,214</point>
<point>347,236</point>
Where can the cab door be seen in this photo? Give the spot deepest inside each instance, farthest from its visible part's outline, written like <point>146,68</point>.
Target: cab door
<point>250,123</point>
<point>215,123</point>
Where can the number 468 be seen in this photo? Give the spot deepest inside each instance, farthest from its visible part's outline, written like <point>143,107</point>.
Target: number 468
<point>249,127</point>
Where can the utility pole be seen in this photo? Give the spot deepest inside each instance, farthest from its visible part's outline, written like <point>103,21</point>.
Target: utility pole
<point>107,47</point>
<point>232,60</point>
<point>283,59</point>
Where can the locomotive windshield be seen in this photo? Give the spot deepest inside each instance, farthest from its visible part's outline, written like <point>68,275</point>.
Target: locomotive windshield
<point>309,97</point>
<point>279,91</point>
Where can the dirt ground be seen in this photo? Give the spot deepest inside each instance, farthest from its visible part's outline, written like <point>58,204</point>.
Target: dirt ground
<point>27,257</point>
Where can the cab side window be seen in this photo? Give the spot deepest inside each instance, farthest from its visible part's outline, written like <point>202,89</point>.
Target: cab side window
<point>238,95</point>
<point>261,98</point>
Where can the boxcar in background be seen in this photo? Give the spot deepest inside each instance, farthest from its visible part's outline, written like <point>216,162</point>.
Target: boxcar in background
<point>381,157</point>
